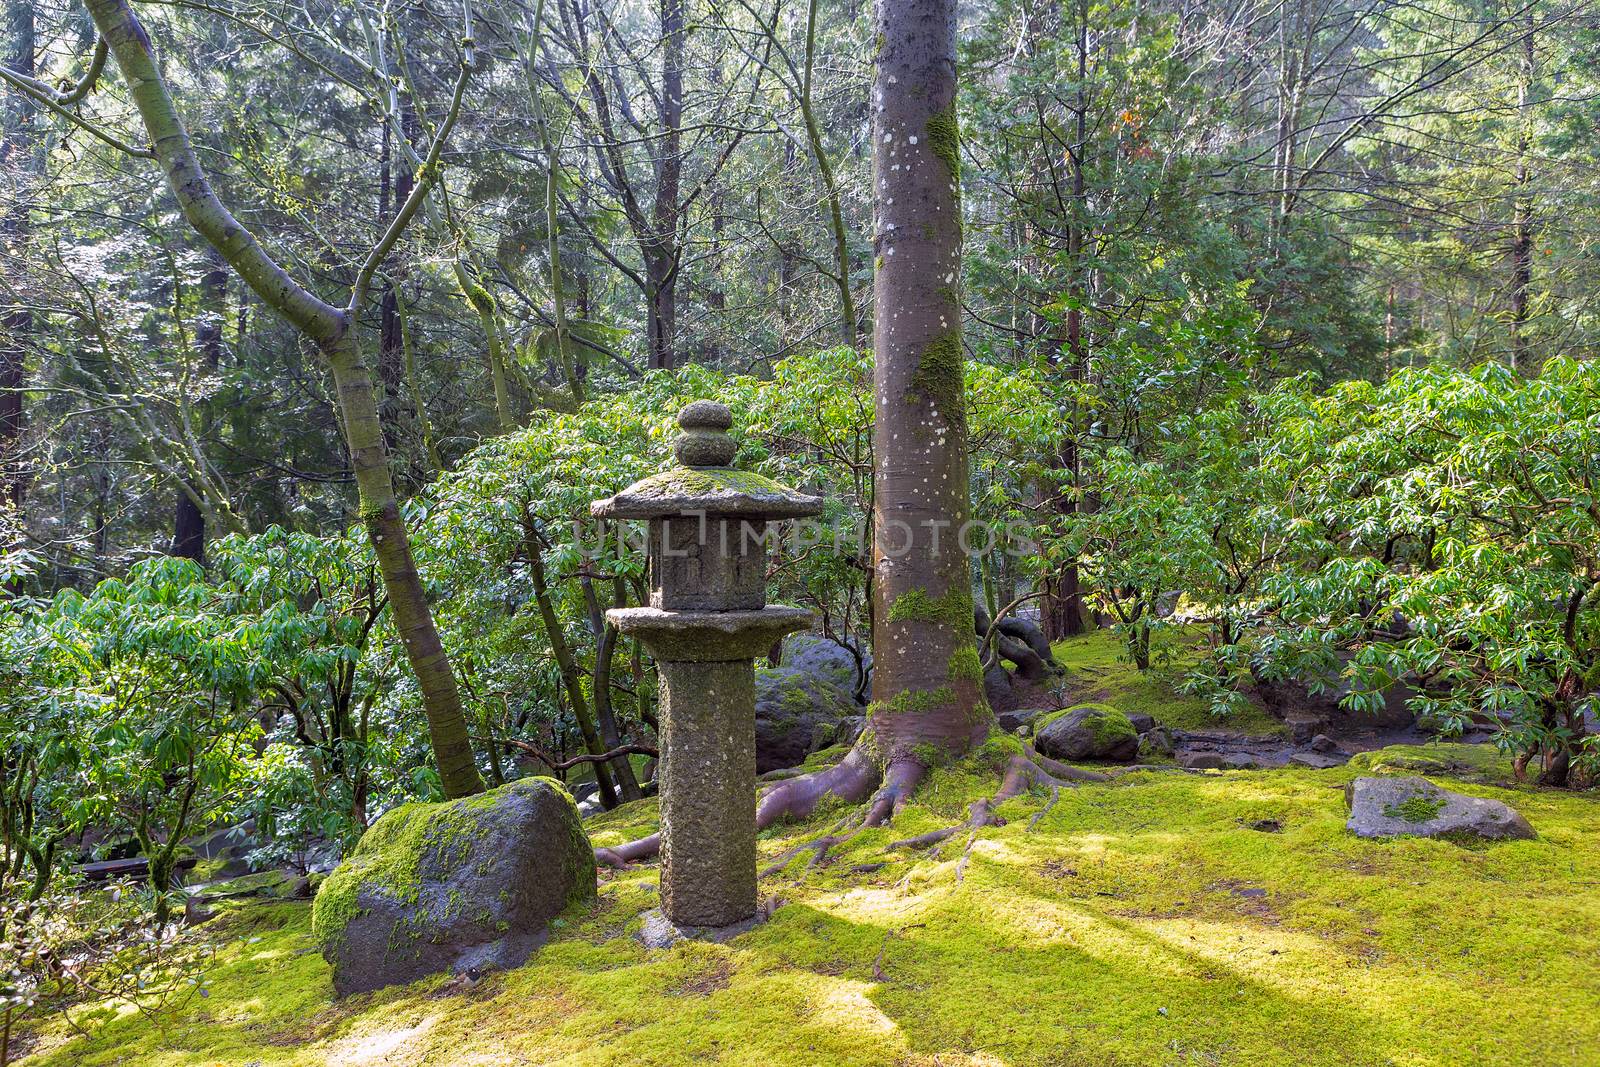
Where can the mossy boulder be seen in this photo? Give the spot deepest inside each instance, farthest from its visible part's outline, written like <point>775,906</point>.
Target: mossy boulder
<point>1415,807</point>
<point>1483,762</point>
<point>806,704</point>
<point>1087,732</point>
<point>466,885</point>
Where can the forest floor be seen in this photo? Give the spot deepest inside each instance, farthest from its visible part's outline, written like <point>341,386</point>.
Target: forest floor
<point>1166,918</point>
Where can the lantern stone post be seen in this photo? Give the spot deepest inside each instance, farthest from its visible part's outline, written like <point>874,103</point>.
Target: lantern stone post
<point>707,620</point>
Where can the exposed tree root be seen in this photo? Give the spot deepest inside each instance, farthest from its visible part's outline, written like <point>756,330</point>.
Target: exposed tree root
<point>1022,773</point>
<point>632,852</point>
<point>878,974</point>
<point>853,779</point>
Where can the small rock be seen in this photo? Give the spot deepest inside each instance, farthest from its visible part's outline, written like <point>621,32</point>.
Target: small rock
<point>1316,760</point>
<point>1142,723</point>
<point>1088,732</point>
<point>1209,761</point>
<point>1012,721</point>
<point>1324,743</point>
<point>1397,807</point>
<point>1266,826</point>
<point>1240,761</point>
<point>1303,729</point>
<point>1156,744</point>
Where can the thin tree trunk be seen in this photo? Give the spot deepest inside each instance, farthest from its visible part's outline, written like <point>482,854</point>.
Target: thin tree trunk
<point>1522,211</point>
<point>1062,610</point>
<point>414,384</point>
<point>662,251</point>
<point>189,521</point>
<point>567,664</point>
<point>575,370</point>
<point>18,157</point>
<point>830,189</point>
<point>331,329</point>
<point>394,185</point>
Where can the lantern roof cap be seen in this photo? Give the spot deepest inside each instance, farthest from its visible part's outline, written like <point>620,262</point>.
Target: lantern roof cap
<point>704,484</point>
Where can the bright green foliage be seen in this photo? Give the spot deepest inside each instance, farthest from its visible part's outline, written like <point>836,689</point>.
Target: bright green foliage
<point>1097,668</point>
<point>1459,549</point>
<point>142,704</point>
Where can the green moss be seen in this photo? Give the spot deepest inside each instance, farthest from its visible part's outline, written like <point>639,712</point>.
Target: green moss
<point>913,701</point>
<point>1417,807</point>
<point>702,481</point>
<point>273,883</point>
<point>796,699</point>
<point>825,757</point>
<point>369,512</point>
<point>1106,724</point>
<point>1482,762</point>
<point>1096,668</point>
<point>481,299</point>
<point>207,870</point>
<point>996,751</point>
<point>954,608</point>
<point>1136,922</point>
<point>387,858</point>
<point>939,378</point>
<point>944,139</point>
<point>965,666</point>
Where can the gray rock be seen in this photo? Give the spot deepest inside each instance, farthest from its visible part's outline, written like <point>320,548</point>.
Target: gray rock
<point>1016,719</point>
<point>1207,761</point>
<point>1089,732</point>
<point>806,704</point>
<point>1157,743</point>
<point>1142,723</point>
<point>1316,760</point>
<point>1324,743</point>
<point>1305,727</point>
<point>1397,807</point>
<point>466,886</point>
<point>658,931</point>
<point>825,659</point>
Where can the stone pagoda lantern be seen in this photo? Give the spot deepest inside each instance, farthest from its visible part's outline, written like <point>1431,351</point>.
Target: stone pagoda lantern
<point>707,621</point>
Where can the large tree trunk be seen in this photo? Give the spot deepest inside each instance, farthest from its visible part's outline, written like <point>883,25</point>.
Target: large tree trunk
<point>332,330</point>
<point>17,158</point>
<point>928,702</point>
<point>927,685</point>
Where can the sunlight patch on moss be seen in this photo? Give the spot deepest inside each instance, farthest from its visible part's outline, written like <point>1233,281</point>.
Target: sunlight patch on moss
<point>1141,921</point>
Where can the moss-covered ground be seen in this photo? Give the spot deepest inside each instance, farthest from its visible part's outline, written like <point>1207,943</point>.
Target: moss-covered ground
<point>1098,669</point>
<point>1166,918</point>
